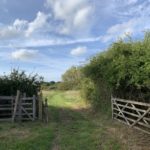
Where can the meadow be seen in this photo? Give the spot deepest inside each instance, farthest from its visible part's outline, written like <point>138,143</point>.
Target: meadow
<point>72,126</point>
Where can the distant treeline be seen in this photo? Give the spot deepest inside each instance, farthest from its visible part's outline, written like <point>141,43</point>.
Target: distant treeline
<point>51,85</point>
<point>122,71</point>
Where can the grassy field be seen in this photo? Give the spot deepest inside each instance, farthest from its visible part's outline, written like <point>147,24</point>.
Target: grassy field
<point>72,126</point>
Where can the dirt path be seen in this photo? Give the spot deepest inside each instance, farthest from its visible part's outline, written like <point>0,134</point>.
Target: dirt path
<point>64,120</point>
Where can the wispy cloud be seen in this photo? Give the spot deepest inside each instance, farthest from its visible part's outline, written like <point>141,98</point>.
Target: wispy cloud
<point>57,42</point>
<point>78,51</point>
<point>134,27</point>
<point>24,54</point>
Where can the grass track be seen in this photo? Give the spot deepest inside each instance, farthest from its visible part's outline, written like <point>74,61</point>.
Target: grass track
<point>72,126</point>
<point>75,131</point>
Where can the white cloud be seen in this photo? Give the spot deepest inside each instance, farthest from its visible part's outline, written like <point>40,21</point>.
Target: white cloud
<point>78,51</point>
<point>134,26</point>
<point>8,32</point>
<point>37,23</point>
<point>24,54</point>
<point>73,14</point>
<point>23,27</point>
<point>20,24</point>
<point>15,30</point>
<point>82,17</point>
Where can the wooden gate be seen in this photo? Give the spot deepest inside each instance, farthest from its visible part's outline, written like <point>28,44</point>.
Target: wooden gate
<point>17,108</point>
<point>135,114</point>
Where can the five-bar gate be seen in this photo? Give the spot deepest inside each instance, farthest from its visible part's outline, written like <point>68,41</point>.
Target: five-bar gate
<point>133,113</point>
<point>17,108</point>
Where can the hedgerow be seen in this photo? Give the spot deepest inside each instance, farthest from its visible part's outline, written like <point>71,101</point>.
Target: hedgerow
<point>19,80</point>
<point>122,71</point>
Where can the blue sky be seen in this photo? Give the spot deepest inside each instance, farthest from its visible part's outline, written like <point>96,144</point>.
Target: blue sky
<point>50,36</point>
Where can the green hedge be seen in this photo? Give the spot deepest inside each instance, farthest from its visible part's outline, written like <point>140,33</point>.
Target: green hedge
<point>19,80</point>
<point>123,71</point>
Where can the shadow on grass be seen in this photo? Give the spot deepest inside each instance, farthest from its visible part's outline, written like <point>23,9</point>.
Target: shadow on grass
<point>78,129</point>
<point>61,114</point>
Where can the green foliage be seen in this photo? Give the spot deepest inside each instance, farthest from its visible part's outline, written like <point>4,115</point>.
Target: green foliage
<point>88,89</point>
<point>71,79</point>
<point>18,80</point>
<point>52,85</point>
<point>97,95</point>
<point>123,70</point>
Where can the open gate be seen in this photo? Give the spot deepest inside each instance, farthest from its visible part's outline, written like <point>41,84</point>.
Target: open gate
<point>134,114</point>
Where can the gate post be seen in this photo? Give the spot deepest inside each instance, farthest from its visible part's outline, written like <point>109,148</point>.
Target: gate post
<point>40,103</point>
<point>16,104</point>
<point>34,107</point>
<point>112,106</point>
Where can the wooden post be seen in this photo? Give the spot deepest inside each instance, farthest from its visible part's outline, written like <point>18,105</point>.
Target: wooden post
<point>15,106</point>
<point>12,105</point>
<point>20,109</point>
<point>40,103</point>
<point>112,106</point>
<point>46,111</point>
<point>34,107</point>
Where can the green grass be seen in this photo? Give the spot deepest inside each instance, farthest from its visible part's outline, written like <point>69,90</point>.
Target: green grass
<point>72,126</point>
<point>25,136</point>
<point>76,128</point>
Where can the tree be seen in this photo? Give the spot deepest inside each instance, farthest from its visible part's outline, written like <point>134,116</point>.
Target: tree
<point>71,79</point>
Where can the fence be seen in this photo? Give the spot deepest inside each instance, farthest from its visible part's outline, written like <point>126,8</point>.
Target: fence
<point>134,114</point>
<point>17,108</point>
<point>21,108</point>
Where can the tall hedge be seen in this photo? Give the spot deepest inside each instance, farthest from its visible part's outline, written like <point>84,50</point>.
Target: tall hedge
<point>123,71</point>
<point>19,80</point>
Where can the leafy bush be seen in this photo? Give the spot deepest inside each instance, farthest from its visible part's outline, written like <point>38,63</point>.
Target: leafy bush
<point>123,71</point>
<point>18,80</point>
<point>71,79</point>
<point>97,95</point>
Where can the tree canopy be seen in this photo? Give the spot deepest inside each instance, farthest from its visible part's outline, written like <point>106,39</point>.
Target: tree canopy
<point>71,78</point>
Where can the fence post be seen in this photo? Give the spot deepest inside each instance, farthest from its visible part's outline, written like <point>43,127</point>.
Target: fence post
<point>40,103</point>
<point>34,107</point>
<point>46,110</point>
<point>12,104</point>
<point>112,106</point>
<point>20,108</point>
<point>16,104</point>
